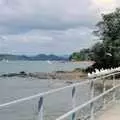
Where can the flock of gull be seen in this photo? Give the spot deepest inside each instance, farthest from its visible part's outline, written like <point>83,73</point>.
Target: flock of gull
<point>102,71</point>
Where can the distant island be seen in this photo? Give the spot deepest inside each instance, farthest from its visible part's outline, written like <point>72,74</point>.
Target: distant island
<point>41,57</point>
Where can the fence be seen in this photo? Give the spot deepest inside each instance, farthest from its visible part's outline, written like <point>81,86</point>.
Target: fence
<point>72,113</point>
<point>93,99</point>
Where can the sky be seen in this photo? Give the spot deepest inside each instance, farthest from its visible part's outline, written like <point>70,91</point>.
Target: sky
<point>50,26</point>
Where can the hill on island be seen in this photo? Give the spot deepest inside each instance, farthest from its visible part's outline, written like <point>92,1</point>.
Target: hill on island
<point>32,58</point>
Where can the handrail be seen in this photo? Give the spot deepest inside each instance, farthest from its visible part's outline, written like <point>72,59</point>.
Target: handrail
<point>85,104</point>
<point>93,99</point>
<point>41,95</point>
<point>52,91</point>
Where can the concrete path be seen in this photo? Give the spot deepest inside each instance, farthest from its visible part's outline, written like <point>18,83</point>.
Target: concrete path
<point>111,113</point>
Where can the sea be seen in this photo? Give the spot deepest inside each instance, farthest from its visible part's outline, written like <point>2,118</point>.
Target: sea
<point>14,88</point>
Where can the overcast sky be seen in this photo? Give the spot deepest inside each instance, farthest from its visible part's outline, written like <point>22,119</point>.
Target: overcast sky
<point>49,26</point>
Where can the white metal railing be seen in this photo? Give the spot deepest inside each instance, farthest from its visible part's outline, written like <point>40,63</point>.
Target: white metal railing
<point>87,103</point>
<point>73,86</point>
<point>93,99</point>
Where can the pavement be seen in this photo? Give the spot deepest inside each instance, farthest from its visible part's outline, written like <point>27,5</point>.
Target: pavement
<point>111,113</point>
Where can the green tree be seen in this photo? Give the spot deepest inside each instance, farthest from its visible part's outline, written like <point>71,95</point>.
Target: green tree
<point>107,53</point>
<point>80,56</point>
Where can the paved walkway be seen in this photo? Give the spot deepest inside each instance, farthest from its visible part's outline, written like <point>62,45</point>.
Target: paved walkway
<point>111,113</point>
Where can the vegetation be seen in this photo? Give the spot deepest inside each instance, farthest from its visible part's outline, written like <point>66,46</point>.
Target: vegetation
<point>80,56</point>
<point>106,53</point>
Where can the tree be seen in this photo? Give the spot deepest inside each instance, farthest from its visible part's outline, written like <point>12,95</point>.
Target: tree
<point>80,56</point>
<point>108,30</point>
<point>75,56</point>
<point>99,55</point>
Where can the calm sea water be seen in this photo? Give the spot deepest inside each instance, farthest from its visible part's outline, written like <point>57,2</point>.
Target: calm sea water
<point>15,88</point>
<point>38,66</point>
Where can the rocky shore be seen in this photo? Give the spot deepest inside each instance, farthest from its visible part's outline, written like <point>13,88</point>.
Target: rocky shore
<point>61,75</point>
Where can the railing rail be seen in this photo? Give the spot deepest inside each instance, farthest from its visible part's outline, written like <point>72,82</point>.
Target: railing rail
<point>94,99</point>
<point>73,94</point>
<point>43,94</point>
<point>87,103</point>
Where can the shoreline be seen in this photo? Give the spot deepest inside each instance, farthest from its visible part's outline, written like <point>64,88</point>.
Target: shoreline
<point>87,61</point>
<point>60,75</point>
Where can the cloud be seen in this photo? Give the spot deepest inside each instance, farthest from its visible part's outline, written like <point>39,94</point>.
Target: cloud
<point>104,6</point>
<point>50,41</point>
<point>51,26</point>
<point>24,15</point>
<point>19,15</point>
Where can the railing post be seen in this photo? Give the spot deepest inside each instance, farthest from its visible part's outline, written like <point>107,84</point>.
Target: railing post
<point>104,89</point>
<point>114,93</point>
<point>73,102</point>
<point>92,104</point>
<point>40,109</point>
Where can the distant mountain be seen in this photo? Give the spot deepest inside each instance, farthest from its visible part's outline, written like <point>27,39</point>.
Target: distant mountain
<point>32,58</point>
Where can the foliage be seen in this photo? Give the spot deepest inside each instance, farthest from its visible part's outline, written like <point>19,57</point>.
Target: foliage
<point>80,56</point>
<point>106,54</point>
<point>109,32</point>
